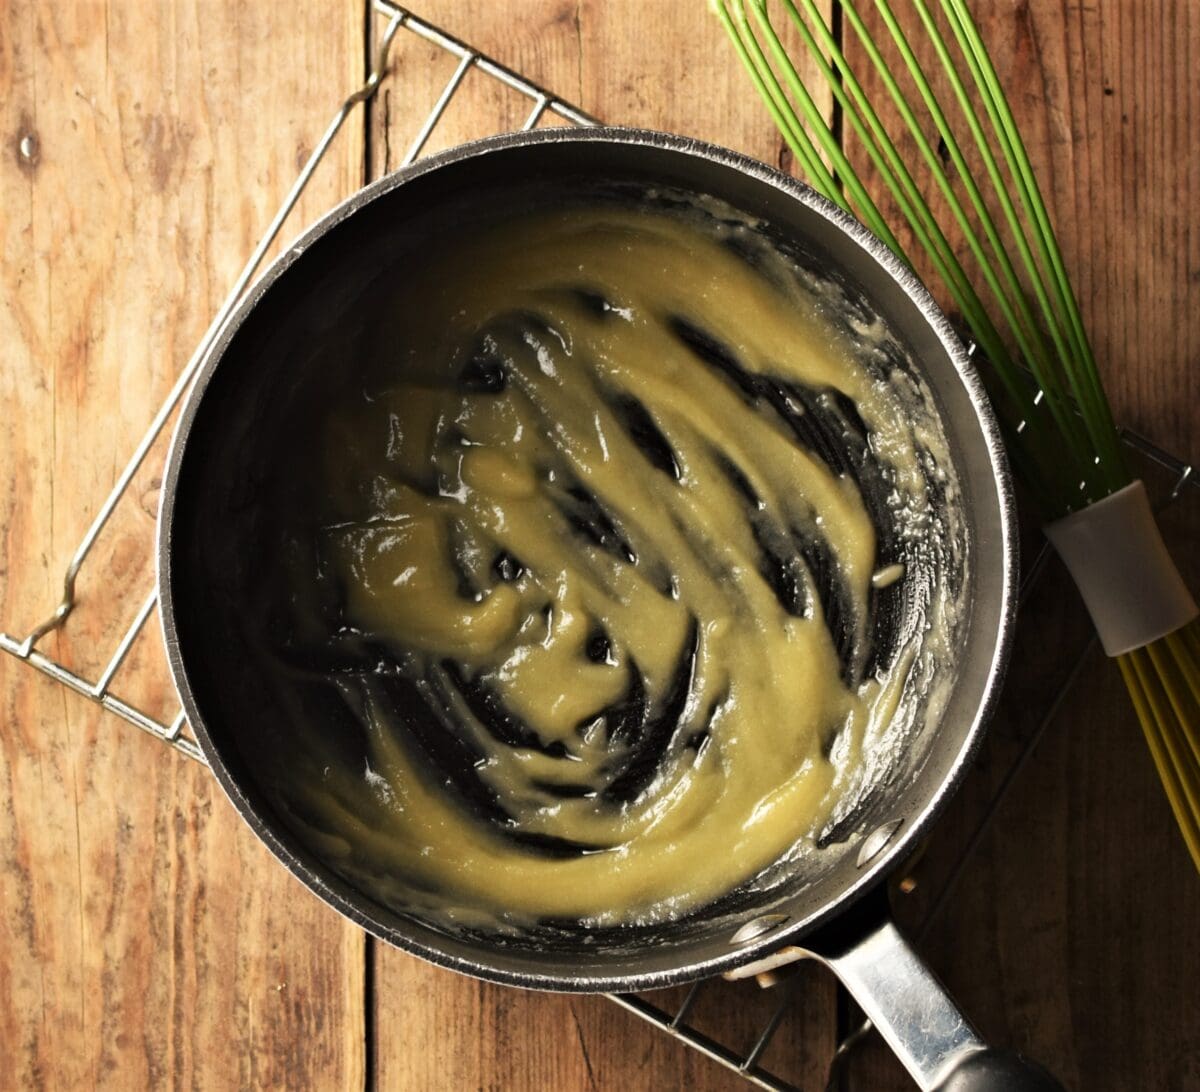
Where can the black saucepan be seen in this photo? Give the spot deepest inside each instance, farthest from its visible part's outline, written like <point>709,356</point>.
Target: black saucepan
<point>227,459</point>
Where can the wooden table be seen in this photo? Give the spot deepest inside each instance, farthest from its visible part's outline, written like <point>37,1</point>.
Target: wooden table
<point>146,938</point>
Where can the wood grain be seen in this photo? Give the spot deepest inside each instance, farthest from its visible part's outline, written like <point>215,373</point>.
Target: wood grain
<point>146,939</point>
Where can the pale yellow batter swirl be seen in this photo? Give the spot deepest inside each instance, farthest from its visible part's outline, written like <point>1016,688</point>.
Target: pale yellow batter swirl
<point>599,558</point>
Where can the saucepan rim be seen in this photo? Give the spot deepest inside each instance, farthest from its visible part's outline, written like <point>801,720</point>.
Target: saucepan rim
<point>358,909</point>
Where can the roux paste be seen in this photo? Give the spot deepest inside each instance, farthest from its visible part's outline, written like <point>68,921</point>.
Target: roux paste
<point>599,571</point>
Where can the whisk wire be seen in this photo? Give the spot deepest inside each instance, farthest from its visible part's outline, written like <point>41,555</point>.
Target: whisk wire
<point>1012,300</point>
<point>1000,113</point>
<point>864,120</point>
<point>1175,667</point>
<point>1181,794</point>
<point>773,95</point>
<point>845,173</point>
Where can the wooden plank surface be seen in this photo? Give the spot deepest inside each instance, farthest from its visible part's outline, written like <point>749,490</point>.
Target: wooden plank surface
<point>147,940</point>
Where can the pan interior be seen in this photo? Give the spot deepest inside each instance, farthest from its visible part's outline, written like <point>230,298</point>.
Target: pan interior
<point>250,471</point>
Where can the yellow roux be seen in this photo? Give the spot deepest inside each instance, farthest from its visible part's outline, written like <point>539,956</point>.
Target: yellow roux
<point>768,737</point>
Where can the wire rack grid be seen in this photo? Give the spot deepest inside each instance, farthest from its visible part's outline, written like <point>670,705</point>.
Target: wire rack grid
<point>1176,480</point>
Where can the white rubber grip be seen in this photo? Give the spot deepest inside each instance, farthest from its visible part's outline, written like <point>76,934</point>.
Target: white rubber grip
<point>1116,555</point>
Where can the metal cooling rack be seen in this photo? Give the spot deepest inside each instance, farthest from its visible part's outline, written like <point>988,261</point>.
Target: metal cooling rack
<point>1175,479</point>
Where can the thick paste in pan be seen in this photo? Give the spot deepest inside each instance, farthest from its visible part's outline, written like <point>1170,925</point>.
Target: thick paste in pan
<point>598,572</point>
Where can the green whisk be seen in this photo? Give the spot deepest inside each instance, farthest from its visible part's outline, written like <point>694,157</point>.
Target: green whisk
<point>1020,308</point>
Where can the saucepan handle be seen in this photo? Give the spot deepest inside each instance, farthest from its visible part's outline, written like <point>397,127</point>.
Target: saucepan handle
<point>917,1018</point>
